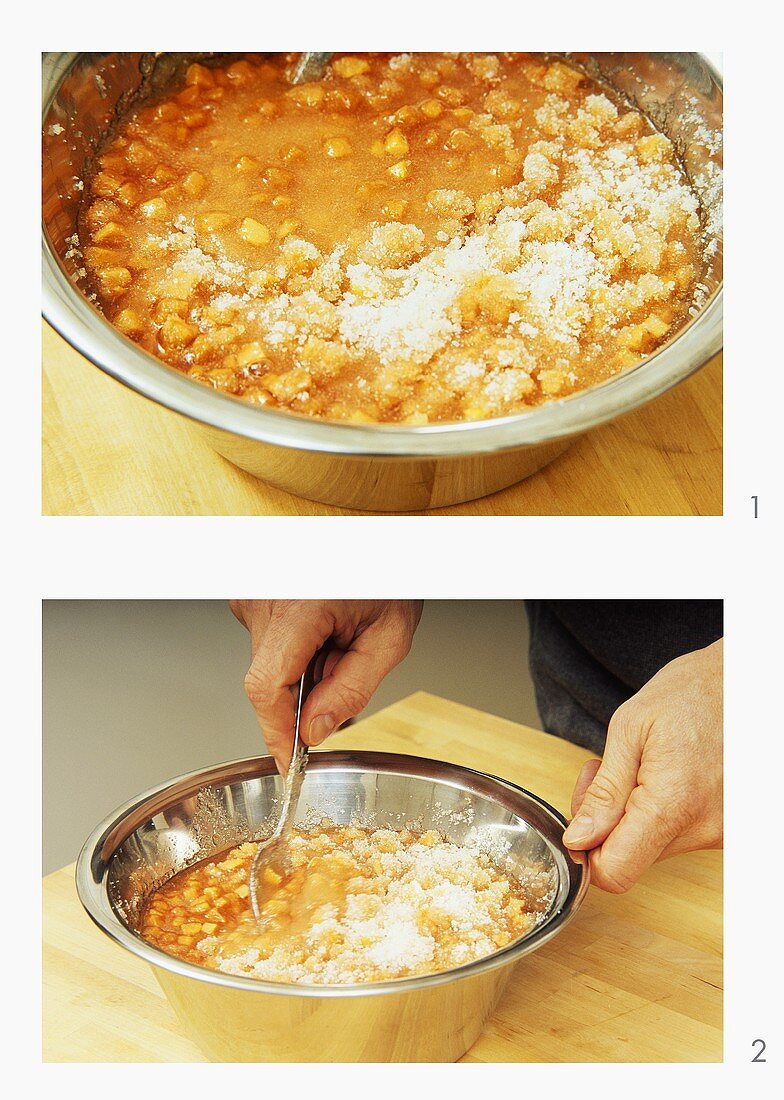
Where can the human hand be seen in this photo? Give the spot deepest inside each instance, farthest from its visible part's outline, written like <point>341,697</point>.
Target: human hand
<point>657,791</point>
<point>367,639</point>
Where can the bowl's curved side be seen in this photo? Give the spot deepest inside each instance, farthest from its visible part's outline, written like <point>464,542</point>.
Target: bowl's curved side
<point>378,483</point>
<point>424,1024</point>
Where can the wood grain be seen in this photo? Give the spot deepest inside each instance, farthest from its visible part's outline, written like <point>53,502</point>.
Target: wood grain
<point>107,451</point>
<point>633,978</point>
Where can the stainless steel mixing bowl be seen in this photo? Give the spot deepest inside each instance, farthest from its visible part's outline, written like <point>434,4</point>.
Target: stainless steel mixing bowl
<point>433,1018</point>
<point>385,468</point>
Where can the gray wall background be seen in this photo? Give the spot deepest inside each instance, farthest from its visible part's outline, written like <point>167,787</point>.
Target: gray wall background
<point>138,691</point>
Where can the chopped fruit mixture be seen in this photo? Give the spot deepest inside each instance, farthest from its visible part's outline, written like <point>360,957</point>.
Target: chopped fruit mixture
<point>415,238</point>
<point>359,905</point>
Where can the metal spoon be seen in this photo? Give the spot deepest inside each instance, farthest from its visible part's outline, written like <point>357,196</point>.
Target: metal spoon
<point>274,851</point>
<point>309,67</point>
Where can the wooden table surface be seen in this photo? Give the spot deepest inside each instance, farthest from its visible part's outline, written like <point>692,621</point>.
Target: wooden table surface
<point>107,451</point>
<point>633,978</point>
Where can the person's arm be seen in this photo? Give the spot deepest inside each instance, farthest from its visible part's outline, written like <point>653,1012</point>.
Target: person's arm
<point>368,638</point>
<point>657,791</point>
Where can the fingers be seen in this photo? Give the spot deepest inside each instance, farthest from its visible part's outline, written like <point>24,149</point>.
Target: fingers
<point>604,802</point>
<point>348,685</point>
<point>368,639</point>
<point>584,780</point>
<point>691,842</point>
<point>633,846</point>
<point>645,836</point>
<point>289,643</point>
<point>656,823</point>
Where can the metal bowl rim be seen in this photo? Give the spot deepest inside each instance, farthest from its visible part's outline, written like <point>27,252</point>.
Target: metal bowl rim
<point>70,313</point>
<point>91,892</point>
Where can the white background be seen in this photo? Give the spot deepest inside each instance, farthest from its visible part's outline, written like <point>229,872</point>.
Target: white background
<point>734,557</point>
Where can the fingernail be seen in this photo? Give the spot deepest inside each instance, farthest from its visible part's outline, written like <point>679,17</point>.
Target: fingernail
<point>580,829</point>
<point>320,728</point>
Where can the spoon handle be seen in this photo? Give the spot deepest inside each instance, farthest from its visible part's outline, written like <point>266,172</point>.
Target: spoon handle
<point>310,66</point>
<point>292,783</point>
<point>299,756</point>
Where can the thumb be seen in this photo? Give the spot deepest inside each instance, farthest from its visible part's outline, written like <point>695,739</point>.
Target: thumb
<point>344,691</point>
<point>604,802</point>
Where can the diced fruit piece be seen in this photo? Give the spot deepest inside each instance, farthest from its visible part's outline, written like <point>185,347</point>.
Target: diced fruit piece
<point>176,333</point>
<point>155,209</point>
<point>350,66</point>
<point>400,170</point>
<point>396,143</point>
<point>254,232</point>
<point>337,147</point>
<point>194,184</point>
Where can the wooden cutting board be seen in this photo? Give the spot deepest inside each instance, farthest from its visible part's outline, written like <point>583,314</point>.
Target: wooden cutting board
<point>633,978</point>
<point>107,451</point>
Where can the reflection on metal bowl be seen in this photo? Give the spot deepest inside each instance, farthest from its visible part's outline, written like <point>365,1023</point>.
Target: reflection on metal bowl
<point>432,1018</point>
<point>386,468</point>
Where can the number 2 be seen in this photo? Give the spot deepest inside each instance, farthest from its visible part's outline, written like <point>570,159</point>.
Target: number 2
<point>762,1046</point>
